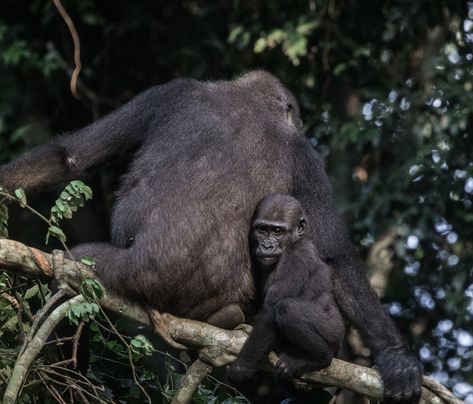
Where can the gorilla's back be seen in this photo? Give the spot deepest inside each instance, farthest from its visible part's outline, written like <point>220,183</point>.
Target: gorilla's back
<point>194,186</point>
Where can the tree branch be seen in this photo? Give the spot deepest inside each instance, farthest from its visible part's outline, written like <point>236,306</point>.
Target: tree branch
<point>217,347</point>
<point>24,360</point>
<point>196,373</point>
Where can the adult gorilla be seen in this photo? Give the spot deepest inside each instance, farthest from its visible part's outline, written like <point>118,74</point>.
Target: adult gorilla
<point>207,152</point>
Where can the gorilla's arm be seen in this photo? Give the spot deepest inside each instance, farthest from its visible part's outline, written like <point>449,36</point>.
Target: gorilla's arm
<point>356,299</point>
<point>260,342</point>
<point>69,156</point>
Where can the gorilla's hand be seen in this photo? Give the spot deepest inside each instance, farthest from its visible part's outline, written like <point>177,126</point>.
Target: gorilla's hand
<point>402,375</point>
<point>239,372</point>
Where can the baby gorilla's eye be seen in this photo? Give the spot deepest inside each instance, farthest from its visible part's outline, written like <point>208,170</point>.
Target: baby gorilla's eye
<point>277,231</point>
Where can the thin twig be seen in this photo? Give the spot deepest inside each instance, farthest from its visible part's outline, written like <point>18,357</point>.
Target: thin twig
<point>81,395</point>
<point>63,363</point>
<point>75,38</point>
<point>83,88</point>
<point>72,384</point>
<point>78,378</point>
<point>19,315</point>
<point>49,387</point>
<point>13,288</point>
<point>59,341</point>
<point>75,345</point>
<point>39,317</point>
<point>12,300</point>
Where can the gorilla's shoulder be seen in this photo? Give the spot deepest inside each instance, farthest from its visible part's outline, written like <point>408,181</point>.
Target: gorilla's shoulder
<point>258,76</point>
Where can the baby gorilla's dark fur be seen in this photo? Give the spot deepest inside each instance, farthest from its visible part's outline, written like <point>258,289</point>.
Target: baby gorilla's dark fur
<point>299,311</point>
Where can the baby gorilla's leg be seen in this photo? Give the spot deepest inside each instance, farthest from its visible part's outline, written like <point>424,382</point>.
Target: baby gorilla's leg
<point>227,317</point>
<point>308,329</point>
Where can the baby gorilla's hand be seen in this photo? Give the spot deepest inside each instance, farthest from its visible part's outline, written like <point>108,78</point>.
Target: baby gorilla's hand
<point>239,372</point>
<point>283,368</point>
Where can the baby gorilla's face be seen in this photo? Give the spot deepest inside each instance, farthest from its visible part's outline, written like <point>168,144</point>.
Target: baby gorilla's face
<point>278,223</point>
<point>270,241</point>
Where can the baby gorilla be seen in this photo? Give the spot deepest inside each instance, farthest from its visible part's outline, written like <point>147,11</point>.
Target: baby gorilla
<point>298,313</point>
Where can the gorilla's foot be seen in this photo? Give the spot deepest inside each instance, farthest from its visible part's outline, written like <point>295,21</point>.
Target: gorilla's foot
<point>161,329</point>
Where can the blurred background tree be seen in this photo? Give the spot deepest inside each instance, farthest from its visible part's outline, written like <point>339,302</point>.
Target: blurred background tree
<point>386,93</point>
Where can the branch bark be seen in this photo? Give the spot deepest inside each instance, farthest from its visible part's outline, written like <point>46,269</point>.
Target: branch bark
<point>196,373</point>
<point>217,347</point>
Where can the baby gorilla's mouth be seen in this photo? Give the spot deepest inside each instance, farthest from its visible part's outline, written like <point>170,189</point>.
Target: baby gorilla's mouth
<point>268,259</point>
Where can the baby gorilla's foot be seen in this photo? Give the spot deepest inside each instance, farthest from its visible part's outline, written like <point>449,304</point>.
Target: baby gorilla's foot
<point>288,365</point>
<point>238,372</point>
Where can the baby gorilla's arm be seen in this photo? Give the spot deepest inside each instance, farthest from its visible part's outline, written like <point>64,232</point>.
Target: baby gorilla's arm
<point>257,346</point>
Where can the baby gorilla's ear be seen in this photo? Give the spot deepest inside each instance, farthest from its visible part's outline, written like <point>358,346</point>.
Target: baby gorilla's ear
<point>301,227</point>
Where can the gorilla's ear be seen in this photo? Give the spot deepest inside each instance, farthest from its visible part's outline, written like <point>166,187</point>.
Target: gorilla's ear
<point>301,227</point>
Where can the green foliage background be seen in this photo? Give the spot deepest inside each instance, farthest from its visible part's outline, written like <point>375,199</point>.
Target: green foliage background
<point>386,92</point>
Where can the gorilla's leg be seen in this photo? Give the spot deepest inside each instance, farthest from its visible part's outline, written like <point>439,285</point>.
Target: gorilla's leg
<point>119,269</point>
<point>314,331</point>
<point>227,317</point>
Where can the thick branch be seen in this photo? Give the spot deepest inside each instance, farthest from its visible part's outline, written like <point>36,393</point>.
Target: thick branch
<point>216,346</point>
<point>196,373</point>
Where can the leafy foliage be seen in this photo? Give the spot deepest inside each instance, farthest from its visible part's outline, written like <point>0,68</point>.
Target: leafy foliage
<point>82,312</point>
<point>141,346</point>
<point>92,289</point>
<point>72,197</point>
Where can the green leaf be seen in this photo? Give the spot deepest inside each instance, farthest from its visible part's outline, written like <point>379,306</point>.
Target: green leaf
<point>307,27</point>
<point>32,292</point>
<point>136,343</point>
<point>92,289</point>
<point>341,67</point>
<point>57,232</point>
<point>11,324</point>
<point>87,192</point>
<point>65,196</point>
<point>141,346</point>
<point>20,194</point>
<point>234,33</point>
<point>87,261</point>
<point>92,19</point>
<point>19,133</point>
<point>260,45</point>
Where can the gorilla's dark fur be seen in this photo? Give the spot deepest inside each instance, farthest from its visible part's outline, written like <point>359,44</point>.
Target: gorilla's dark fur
<point>299,312</point>
<point>207,152</point>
